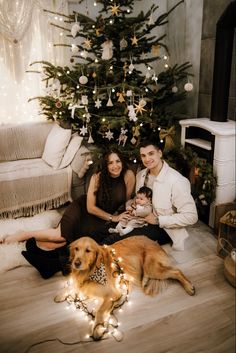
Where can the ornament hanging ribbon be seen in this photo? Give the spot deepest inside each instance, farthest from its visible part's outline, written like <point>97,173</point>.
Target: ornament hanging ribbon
<point>168,135</point>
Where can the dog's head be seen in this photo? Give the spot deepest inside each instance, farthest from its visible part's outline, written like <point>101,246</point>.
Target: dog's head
<point>84,254</point>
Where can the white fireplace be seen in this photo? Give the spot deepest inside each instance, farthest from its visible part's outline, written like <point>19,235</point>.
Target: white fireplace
<point>222,148</point>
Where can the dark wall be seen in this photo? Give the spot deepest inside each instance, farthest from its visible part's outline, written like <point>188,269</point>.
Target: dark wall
<point>212,10</point>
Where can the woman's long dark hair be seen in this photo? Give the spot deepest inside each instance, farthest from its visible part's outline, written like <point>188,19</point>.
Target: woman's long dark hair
<point>105,189</point>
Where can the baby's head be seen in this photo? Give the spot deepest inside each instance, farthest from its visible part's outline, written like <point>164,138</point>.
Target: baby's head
<point>143,196</point>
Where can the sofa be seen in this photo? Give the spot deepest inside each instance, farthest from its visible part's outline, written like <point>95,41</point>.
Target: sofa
<point>42,166</point>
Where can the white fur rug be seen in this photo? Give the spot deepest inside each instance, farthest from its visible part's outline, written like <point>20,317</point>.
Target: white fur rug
<point>10,254</point>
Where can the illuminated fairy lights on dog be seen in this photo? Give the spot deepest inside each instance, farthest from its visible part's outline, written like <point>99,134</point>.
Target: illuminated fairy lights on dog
<point>110,326</point>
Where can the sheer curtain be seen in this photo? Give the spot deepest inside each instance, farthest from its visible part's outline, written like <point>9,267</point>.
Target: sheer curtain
<point>27,36</point>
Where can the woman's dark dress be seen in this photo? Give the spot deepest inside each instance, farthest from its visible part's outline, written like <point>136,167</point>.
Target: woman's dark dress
<point>76,222</point>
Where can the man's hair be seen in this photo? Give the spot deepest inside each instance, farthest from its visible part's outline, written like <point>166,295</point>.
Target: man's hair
<point>153,140</point>
<point>146,191</point>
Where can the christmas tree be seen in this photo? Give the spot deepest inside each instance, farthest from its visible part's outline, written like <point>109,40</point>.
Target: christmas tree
<point>110,91</point>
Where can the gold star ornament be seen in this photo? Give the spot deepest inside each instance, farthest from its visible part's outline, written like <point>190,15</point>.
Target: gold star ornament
<point>134,40</point>
<point>88,43</point>
<point>139,108</point>
<point>115,10</point>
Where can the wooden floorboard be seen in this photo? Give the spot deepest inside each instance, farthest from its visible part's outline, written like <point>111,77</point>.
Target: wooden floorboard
<point>172,322</point>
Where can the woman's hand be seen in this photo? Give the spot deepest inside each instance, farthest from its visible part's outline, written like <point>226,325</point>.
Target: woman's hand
<point>121,216</point>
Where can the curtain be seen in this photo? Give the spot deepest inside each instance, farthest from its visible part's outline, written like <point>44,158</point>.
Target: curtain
<point>27,36</point>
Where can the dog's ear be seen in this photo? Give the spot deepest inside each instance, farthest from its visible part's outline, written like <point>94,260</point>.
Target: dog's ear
<point>99,258</point>
<point>72,251</point>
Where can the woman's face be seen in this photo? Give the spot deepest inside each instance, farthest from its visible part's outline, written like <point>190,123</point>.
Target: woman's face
<point>151,157</point>
<point>114,165</point>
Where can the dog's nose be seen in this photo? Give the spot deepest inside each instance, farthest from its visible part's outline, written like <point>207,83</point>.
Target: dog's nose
<point>77,263</point>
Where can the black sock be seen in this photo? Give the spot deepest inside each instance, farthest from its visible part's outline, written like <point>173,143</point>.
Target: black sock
<point>31,246</point>
<point>47,267</point>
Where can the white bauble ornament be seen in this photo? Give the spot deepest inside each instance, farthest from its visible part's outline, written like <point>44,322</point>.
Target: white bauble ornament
<point>83,80</point>
<point>188,87</point>
<point>174,89</point>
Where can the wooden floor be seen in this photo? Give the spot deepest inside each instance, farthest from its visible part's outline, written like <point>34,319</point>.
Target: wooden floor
<point>172,323</point>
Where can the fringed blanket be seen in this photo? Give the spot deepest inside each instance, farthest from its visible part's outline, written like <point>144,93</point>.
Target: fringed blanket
<point>30,186</point>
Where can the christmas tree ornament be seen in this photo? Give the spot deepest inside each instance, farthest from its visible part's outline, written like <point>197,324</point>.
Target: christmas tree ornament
<point>74,49</point>
<point>84,54</point>
<point>83,80</point>
<point>109,135</point>
<point>123,137</point>
<point>109,102</point>
<point>188,87</point>
<point>58,104</point>
<point>136,132</point>
<point>131,68</point>
<point>155,49</point>
<point>174,89</point>
<point>139,108</point>
<point>72,107</point>
<point>115,10</point>
<point>134,40</point>
<point>56,84</point>
<point>87,115</point>
<point>84,99</point>
<point>133,140</point>
<point>142,102</point>
<point>98,103</point>
<point>123,43</point>
<point>87,43</point>
<point>75,29</point>
<point>107,51</point>
<point>83,130</point>
<point>151,20</point>
<point>154,78</point>
<point>121,98</point>
<point>132,114</point>
<point>129,93</point>
<point>90,139</point>
<point>98,31</point>
<point>168,135</point>
<point>94,75</point>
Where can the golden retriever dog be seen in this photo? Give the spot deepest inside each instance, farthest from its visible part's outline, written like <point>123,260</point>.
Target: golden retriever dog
<point>94,271</point>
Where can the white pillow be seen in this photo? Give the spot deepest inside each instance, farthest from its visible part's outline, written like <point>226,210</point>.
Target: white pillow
<point>55,146</point>
<point>71,150</point>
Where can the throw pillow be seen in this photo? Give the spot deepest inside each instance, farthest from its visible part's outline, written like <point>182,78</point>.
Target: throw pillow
<point>82,161</point>
<point>55,146</point>
<point>71,150</point>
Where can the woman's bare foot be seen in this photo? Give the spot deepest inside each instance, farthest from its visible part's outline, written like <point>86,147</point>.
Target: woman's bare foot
<point>14,238</point>
<point>46,245</point>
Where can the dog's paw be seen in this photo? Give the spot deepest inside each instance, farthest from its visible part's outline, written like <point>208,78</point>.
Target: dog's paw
<point>190,289</point>
<point>59,298</point>
<point>98,331</point>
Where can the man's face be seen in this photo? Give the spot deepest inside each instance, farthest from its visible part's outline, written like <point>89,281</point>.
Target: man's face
<point>151,156</point>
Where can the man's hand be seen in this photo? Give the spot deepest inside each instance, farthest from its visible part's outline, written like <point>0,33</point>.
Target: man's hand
<point>151,219</point>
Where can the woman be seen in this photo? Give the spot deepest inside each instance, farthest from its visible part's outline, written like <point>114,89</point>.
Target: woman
<point>108,191</point>
<point>173,206</point>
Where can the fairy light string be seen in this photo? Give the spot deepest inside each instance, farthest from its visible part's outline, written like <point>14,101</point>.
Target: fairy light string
<point>110,326</point>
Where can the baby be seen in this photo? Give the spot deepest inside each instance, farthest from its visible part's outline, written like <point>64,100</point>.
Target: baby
<point>138,207</point>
